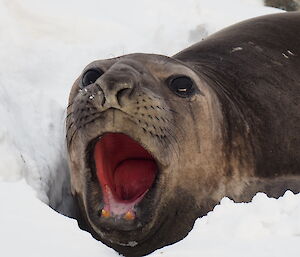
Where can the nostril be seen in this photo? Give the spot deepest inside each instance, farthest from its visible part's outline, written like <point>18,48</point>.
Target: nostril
<point>121,93</point>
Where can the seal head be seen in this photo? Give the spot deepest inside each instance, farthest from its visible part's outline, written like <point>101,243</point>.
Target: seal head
<point>131,154</point>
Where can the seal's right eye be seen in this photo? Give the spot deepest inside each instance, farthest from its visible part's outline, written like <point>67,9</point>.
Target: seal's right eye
<point>182,86</point>
<point>90,76</point>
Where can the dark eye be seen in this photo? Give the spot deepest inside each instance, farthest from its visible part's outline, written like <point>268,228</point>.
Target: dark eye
<point>182,86</point>
<point>90,76</point>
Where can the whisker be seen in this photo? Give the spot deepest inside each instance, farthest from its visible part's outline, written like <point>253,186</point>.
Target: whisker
<point>68,115</point>
<point>172,138</point>
<point>170,110</point>
<point>177,127</point>
<point>72,137</point>
<point>92,120</point>
<point>164,144</point>
<point>70,126</point>
<point>169,144</point>
<point>70,104</point>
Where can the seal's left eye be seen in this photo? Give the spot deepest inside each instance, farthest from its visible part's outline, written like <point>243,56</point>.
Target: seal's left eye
<point>90,76</point>
<point>182,86</point>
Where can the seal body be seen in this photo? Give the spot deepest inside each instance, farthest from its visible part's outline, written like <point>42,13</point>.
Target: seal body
<point>155,142</point>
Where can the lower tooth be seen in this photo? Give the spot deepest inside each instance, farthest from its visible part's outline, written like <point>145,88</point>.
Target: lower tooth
<point>129,215</point>
<point>105,213</point>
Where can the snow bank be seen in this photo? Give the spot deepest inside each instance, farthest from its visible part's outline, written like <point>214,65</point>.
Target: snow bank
<point>31,228</point>
<point>265,227</point>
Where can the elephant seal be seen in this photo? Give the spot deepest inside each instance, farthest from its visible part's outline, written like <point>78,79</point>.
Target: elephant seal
<point>155,142</point>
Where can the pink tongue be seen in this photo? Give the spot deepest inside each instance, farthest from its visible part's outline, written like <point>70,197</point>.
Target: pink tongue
<point>132,178</point>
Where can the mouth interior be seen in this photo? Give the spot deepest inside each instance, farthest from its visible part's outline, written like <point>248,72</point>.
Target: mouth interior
<point>124,167</point>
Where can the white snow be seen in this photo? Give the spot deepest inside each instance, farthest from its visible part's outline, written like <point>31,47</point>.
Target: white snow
<point>31,228</point>
<point>44,45</point>
<point>265,227</point>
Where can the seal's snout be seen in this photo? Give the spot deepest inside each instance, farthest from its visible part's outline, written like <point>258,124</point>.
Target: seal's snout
<point>114,90</point>
<point>116,84</point>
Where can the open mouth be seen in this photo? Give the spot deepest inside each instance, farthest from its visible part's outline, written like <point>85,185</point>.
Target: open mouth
<point>125,171</point>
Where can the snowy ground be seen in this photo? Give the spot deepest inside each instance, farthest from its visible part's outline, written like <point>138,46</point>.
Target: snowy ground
<point>265,228</point>
<point>44,45</point>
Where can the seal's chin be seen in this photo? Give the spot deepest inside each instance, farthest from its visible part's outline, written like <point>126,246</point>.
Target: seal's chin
<point>125,171</point>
